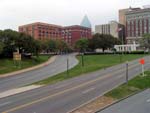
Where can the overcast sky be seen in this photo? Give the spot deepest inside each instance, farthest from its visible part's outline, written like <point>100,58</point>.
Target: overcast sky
<point>61,12</point>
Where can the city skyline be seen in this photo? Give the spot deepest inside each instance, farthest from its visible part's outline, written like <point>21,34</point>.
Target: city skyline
<point>64,12</point>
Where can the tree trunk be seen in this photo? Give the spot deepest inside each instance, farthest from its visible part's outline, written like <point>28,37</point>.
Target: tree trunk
<point>103,50</point>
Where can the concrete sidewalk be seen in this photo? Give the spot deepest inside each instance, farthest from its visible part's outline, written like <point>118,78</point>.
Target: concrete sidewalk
<point>52,59</point>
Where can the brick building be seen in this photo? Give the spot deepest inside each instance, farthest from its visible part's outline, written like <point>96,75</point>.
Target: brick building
<point>43,31</point>
<point>136,21</point>
<point>137,24</point>
<point>73,33</point>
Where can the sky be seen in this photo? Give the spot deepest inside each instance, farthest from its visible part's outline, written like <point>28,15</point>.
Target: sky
<point>14,13</point>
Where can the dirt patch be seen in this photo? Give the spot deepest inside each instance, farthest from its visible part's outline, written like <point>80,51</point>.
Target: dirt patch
<point>95,105</point>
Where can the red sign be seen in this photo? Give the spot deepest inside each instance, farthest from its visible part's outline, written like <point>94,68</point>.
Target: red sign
<point>142,61</point>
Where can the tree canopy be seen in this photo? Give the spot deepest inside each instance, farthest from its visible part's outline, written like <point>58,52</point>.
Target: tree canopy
<point>103,41</point>
<point>14,40</point>
<point>82,44</point>
<point>145,41</point>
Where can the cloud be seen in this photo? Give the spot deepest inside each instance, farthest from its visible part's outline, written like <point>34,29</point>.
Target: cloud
<point>63,12</point>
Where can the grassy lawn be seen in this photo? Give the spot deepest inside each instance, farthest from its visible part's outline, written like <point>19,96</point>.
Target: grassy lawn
<point>7,65</point>
<point>92,63</point>
<point>136,84</point>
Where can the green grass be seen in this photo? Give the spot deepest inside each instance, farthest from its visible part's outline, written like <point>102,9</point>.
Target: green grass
<point>92,63</point>
<point>135,85</point>
<point>7,65</point>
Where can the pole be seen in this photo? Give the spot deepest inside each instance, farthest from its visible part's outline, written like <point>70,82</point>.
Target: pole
<point>122,39</point>
<point>143,69</point>
<point>67,66</point>
<point>127,72</point>
<point>120,57</point>
<point>122,43</point>
<point>82,60</point>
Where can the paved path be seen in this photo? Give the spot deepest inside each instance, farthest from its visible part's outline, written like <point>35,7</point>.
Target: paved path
<point>59,65</point>
<point>65,96</point>
<point>139,103</point>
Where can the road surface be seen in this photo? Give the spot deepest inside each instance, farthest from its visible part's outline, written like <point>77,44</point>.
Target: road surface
<point>139,103</point>
<point>65,96</point>
<point>59,65</point>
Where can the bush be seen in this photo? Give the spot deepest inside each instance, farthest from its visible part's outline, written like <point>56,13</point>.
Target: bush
<point>102,53</point>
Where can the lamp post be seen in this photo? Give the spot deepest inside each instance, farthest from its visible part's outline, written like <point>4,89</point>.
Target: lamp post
<point>127,72</point>
<point>67,63</point>
<point>121,30</point>
<point>82,56</point>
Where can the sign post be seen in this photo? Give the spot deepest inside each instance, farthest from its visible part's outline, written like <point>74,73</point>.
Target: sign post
<point>17,59</point>
<point>67,66</point>
<point>142,62</point>
<point>127,72</point>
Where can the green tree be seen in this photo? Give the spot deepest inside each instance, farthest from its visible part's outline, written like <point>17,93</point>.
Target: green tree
<point>61,46</point>
<point>44,45</point>
<point>145,41</point>
<point>52,45</point>
<point>103,41</point>
<point>14,40</point>
<point>1,47</point>
<point>82,44</point>
<point>8,37</point>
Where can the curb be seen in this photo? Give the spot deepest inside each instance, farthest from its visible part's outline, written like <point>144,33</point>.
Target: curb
<point>52,59</point>
<point>115,102</point>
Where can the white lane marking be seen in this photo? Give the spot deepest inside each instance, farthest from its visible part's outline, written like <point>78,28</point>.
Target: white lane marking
<point>3,104</point>
<point>63,85</point>
<point>60,86</point>
<point>148,100</point>
<point>88,90</point>
<point>120,76</point>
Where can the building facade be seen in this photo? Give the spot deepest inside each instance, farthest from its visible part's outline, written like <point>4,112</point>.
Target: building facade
<point>44,31</point>
<point>137,24</point>
<point>112,29</point>
<point>122,16</point>
<point>73,33</point>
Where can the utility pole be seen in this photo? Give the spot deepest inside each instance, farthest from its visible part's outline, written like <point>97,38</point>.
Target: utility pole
<point>67,63</point>
<point>67,66</point>
<point>82,59</point>
<point>127,72</point>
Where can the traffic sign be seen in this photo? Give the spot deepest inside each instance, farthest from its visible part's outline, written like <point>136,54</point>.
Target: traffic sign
<point>142,61</point>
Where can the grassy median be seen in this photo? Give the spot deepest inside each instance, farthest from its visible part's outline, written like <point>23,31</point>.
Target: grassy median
<point>8,65</point>
<point>91,63</point>
<point>137,84</point>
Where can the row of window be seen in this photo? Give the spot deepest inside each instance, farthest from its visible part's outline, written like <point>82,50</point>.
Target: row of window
<point>135,16</point>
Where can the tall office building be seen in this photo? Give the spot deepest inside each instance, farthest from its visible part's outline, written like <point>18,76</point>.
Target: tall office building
<point>85,22</point>
<point>122,16</point>
<point>111,28</point>
<point>137,24</point>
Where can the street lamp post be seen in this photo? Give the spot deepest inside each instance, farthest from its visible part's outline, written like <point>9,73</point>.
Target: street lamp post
<point>82,59</point>
<point>127,72</point>
<point>67,66</point>
<point>122,44</point>
<point>67,63</point>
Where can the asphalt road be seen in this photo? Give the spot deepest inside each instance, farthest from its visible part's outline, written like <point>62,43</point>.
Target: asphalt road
<point>139,103</point>
<point>67,95</point>
<point>59,65</point>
